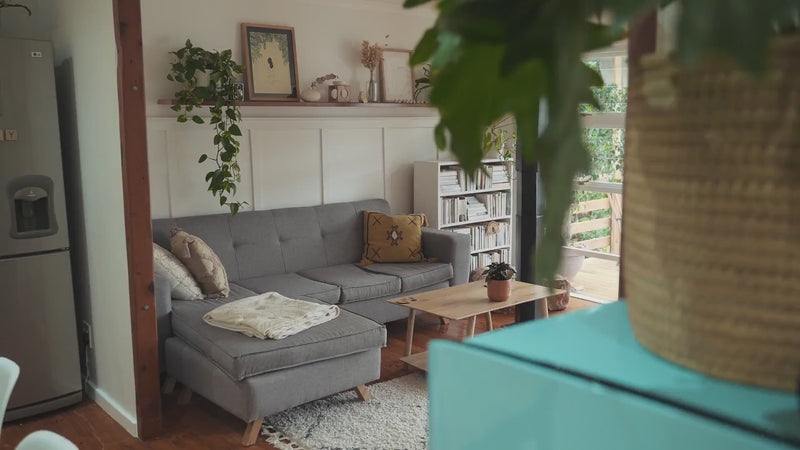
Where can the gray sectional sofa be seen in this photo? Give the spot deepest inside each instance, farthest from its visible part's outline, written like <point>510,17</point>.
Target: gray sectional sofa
<point>309,253</point>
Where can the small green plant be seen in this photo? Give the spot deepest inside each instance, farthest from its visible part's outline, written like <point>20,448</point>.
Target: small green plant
<point>222,97</point>
<point>422,83</point>
<point>500,139</point>
<point>499,271</point>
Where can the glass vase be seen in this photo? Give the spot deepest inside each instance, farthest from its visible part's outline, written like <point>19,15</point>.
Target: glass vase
<point>372,91</point>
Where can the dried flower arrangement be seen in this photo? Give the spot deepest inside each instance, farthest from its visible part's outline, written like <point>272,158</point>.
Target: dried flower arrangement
<point>371,56</point>
<point>320,80</point>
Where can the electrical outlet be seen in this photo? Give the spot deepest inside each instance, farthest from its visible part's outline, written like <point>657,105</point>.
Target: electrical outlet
<point>87,334</point>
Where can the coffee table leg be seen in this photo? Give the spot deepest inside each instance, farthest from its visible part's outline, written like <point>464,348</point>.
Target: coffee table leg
<point>489,321</point>
<point>409,331</point>
<point>541,309</point>
<point>471,326</point>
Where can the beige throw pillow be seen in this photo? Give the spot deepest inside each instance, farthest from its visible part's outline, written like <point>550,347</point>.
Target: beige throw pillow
<point>184,286</point>
<point>201,261</point>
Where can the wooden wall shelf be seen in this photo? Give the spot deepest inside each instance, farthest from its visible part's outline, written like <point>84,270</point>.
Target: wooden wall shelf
<point>169,101</point>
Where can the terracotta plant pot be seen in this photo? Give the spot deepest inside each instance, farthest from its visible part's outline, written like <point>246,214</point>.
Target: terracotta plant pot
<point>498,290</point>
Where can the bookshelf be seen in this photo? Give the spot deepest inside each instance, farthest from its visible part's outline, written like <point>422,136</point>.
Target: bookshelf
<point>455,202</point>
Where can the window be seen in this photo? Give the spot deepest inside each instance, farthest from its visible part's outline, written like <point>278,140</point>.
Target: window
<point>591,259</point>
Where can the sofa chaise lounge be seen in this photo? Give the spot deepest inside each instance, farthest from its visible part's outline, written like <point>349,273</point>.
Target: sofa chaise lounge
<point>309,253</point>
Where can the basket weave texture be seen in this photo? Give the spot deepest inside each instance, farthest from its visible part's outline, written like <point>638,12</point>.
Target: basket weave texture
<point>711,244</point>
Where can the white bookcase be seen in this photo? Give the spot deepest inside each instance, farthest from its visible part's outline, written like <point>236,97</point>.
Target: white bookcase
<point>454,202</point>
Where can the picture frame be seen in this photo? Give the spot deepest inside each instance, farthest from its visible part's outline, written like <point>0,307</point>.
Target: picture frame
<point>397,76</point>
<point>270,60</point>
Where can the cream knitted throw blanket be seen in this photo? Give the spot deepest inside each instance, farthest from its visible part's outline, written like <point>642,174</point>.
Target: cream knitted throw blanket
<point>270,315</point>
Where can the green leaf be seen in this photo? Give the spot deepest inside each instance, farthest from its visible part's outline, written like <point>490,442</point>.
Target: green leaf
<point>234,130</point>
<point>210,175</point>
<point>175,107</point>
<point>234,208</point>
<point>425,48</point>
<point>197,119</point>
<point>217,139</point>
<point>413,3</point>
<point>203,158</point>
<point>182,118</point>
<point>222,200</point>
<point>230,113</point>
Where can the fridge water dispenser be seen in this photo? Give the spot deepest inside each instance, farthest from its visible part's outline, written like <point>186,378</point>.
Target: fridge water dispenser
<point>31,199</point>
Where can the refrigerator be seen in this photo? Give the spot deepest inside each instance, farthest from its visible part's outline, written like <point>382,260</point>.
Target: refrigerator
<point>38,329</point>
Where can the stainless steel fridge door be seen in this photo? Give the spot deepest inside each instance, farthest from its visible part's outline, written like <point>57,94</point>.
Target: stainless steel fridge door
<point>33,150</point>
<point>37,327</point>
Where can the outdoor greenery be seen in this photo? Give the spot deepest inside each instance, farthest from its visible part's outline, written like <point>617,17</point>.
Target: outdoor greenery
<point>513,54</point>
<point>222,97</point>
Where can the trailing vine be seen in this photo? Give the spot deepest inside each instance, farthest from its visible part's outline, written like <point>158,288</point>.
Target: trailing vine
<point>222,97</point>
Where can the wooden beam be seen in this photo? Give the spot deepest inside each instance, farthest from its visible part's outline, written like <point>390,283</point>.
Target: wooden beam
<point>138,231</point>
<point>641,41</point>
<point>589,225</point>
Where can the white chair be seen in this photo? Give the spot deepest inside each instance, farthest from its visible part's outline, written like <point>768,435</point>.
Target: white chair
<point>38,440</point>
<point>9,372</point>
<point>45,440</point>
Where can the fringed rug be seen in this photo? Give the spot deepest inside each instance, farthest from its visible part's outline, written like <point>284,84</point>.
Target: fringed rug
<point>395,419</point>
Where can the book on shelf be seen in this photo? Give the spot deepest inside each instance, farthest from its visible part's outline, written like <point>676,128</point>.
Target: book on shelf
<point>484,259</point>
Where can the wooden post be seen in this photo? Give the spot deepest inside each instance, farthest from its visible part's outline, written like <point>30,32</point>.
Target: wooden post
<point>616,222</point>
<point>138,229</point>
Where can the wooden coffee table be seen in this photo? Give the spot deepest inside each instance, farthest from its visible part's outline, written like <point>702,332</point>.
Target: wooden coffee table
<point>466,301</point>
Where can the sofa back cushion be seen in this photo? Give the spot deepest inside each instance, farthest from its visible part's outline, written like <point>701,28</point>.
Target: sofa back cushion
<point>258,243</point>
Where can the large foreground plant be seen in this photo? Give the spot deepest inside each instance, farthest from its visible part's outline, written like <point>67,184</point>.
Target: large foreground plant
<point>514,55</point>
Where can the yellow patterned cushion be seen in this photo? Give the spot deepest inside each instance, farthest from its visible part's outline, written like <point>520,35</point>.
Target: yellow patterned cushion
<point>392,238</point>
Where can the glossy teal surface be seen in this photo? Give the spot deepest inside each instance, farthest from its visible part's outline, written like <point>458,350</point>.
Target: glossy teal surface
<point>504,390</point>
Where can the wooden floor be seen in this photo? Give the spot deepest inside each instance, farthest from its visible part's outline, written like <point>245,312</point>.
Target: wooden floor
<point>598,278</point>
<point>202,425</point>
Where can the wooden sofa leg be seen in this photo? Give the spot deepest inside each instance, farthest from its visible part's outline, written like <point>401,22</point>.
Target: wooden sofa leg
<point>184,395</point>
<point>363,393</point>
<point>251,432</point>
<point>169,385</point>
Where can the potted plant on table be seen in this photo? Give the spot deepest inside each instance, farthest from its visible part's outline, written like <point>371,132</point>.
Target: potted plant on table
<point>498,281</point>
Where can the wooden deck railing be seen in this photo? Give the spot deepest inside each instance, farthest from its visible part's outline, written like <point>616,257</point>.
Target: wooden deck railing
<point>611,242</point>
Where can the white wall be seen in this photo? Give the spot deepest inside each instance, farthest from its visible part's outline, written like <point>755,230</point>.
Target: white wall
<point>290,156</point>
<point>83,31</point>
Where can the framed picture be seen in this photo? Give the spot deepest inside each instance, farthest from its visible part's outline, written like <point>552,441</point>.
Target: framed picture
<point>397,79</point>
<point>270,61</point>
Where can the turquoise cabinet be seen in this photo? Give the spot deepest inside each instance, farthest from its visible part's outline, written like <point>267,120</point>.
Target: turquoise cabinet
<point>581,380</point>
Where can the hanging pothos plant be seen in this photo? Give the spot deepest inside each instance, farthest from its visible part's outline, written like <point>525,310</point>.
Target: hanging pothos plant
<point>518,53</point>
<point>210,78</point>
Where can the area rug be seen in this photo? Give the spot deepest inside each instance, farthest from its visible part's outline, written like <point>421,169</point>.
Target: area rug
<point>395,419</point>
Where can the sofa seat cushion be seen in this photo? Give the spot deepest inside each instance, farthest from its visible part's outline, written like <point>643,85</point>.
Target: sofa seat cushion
<point>292,285</point>
<point>356,283</point>
<point>415,275</point>
<point>241,357</point>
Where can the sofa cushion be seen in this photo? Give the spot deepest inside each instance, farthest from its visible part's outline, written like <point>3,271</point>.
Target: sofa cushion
<point>356,283</point>
<point>182,284</point>
<point>201,261</point>
<point>392,238</point>
<point>241,357</point>
<point>293,285</point>
<point>414,275</point>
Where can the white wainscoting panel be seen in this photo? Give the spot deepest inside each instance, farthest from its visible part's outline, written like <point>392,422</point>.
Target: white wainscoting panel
<point>402,145</point>
<point>352,164</point>
<point>292,161</point>
<point>187,185</point>
<point>287,167</point>
<point>158,172</point>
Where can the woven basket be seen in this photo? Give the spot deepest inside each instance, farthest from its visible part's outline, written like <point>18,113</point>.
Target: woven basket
<point>712,216</point>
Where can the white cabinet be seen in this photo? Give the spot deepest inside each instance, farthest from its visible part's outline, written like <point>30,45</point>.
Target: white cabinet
<point>480,206</point>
